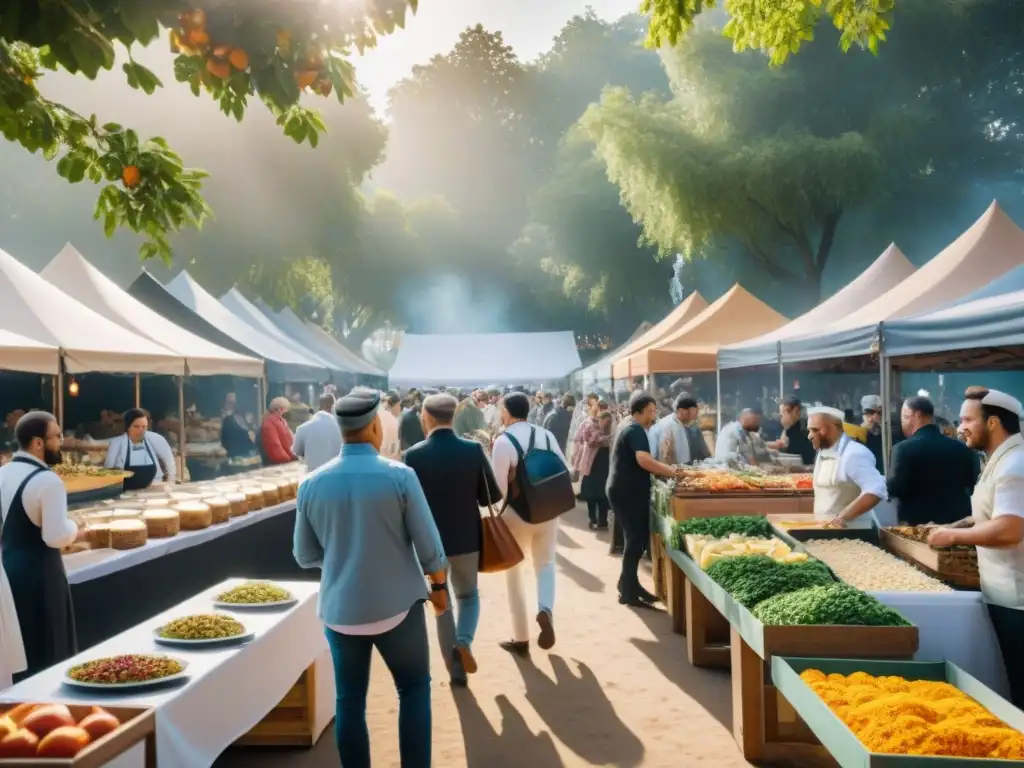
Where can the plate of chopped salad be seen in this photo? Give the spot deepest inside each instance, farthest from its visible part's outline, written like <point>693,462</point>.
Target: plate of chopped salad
<point>130,670</point>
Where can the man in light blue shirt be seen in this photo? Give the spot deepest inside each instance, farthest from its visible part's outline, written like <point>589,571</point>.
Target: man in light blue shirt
<point>319,439</point>
<point>364,520</point>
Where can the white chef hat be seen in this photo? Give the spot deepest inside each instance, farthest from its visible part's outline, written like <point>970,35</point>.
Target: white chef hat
<point>1002,400</point>
<point>825,410</point>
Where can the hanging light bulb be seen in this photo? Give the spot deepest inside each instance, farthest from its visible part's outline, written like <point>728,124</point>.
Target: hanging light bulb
<point>73,388</point>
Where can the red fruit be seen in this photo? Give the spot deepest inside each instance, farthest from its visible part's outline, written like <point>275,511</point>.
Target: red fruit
<point>99,724</point>
<point>21,743</point>
<point>48,718</point>
<point>63,742</point>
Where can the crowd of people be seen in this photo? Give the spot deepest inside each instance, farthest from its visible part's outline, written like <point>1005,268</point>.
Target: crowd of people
<point>391,513</point>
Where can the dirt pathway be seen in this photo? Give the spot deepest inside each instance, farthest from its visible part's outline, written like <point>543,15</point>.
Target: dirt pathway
<point>616,690</point>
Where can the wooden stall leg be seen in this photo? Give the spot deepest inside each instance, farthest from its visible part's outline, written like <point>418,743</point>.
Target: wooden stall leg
<point>658,565</point>
<point>747,698</point>
<point>675,597</point>
<point>150,759</point>
<point>707,631</point>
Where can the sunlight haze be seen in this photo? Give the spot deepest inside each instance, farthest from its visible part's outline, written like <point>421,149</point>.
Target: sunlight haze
<point>527,25</point>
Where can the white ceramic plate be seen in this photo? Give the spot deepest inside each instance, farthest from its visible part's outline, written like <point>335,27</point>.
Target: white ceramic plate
<point>244,606</point>
<point>124,686</point>
<point>247,635</point>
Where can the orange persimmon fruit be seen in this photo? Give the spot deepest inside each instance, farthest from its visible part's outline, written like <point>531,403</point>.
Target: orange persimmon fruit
<point>131,176</point>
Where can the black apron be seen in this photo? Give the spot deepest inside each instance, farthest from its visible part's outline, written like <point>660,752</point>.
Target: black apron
<point>39,584</point>
<point>144,474</point>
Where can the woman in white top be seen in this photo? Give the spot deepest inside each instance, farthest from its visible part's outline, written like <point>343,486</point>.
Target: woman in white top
<point>143,453</point>
<point>990,422</point>
<point>847,485</point>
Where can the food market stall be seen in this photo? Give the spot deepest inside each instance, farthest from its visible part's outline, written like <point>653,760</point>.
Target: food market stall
<point>205,699</point>
<point>162,545</point>
<point>737,571</point>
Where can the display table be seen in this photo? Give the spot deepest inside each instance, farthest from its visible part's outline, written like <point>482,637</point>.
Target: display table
<point>229,690</point>
<point>955,627</point>
<point>113,591</point>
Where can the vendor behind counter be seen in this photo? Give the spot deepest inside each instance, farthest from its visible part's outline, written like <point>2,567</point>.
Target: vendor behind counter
<point>144,453</point>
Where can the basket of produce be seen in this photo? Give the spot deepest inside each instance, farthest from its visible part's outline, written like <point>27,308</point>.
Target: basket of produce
<point>890,714</point>
<point>132,670</point>
<point>34,734</point>
<point>255,594</point>
<point>871,569</point>
<point>202,629</point>
<point>957,565</point>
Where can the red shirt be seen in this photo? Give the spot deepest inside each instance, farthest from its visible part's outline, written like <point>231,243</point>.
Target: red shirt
<point>277,439</point>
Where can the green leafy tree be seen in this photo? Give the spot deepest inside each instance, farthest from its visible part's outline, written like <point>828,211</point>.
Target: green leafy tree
<point>304,285</point>
<point>778,28</point>
<point>233,51</point>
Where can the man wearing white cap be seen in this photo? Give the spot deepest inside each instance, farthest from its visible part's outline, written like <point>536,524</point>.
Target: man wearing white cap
<point>990,422</point>
<point>847,485</point>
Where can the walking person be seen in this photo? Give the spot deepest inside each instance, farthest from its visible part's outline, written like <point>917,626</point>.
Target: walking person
<point>591,459</point>
<point>629,491</point>
<point>34,527</point>
<point>457,480</point>
<point>319,439</point>
<point>560,419</point>
<point>538,541</point>
<point>365,522</point>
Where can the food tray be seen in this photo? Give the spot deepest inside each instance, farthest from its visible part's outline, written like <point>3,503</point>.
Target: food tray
<point>844,745</point>
<point>86,483</point>
<point>767,640</point>
<point>956,566</point>
<point>137,724</point>
<point>795,535</point>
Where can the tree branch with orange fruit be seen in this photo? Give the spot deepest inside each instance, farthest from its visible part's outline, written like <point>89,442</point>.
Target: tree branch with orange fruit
<point>228,50</point>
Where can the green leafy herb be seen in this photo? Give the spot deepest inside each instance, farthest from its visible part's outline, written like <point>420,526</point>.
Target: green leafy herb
<point>751,579</point>
<point>835,604</point>
<point>720,528</point>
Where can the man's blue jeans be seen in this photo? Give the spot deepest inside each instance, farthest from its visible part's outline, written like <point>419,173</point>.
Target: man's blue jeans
<point>407,655</point>
<point>460,629</point>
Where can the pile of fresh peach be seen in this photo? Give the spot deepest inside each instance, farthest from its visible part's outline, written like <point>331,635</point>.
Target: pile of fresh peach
<point>50,730</point>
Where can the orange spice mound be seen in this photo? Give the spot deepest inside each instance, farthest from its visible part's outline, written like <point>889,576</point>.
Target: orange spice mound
<point>915,717</point>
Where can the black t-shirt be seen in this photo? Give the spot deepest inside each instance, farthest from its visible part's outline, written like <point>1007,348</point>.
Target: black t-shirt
<point>626,475</point>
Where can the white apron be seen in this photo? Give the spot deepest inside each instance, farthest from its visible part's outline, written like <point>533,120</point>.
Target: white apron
<point>1001,570</point>
<point>831,497</point>
<point>12,651</point>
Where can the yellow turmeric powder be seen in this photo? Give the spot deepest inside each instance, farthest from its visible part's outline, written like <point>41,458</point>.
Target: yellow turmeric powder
<point>892,715</point>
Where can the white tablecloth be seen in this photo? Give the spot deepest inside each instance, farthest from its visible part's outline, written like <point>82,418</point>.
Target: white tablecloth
<point>154,548</point>
<point>228,691</point>
<point>954,626</point>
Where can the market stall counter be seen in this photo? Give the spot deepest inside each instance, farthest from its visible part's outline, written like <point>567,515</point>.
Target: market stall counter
<point>156,548</point>
<point>244,691</point>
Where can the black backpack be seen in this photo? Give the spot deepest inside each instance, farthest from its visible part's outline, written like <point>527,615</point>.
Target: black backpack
<point>543,486</point>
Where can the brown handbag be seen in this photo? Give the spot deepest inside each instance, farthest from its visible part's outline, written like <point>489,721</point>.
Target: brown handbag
<point>499,550</point>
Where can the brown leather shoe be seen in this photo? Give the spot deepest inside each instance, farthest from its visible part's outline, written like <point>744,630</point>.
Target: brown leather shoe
<point>546,640</point>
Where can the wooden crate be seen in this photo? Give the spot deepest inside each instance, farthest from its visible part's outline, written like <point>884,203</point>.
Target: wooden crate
<point>301,716</point>
<point>688,505</point>
<point>958,567</point>
<point>137,725</point>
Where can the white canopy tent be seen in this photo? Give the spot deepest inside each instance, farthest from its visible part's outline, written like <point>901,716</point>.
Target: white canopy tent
<point>36,309</point>
<point>18,353</point>
<point>70,272</point>
<point>476,360</point>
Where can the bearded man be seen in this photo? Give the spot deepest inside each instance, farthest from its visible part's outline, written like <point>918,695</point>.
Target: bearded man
<point>847,486</point>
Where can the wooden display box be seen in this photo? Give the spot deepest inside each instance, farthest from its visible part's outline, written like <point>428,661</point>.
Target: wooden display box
<point>958,567</point>
<point>302,715</point>
<point>137,725</point>
<point>764,726</point>
<point>689,505</point>
<point>844,746</point>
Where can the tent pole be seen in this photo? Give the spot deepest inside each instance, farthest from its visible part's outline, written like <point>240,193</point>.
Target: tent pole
<point>718,395</point>
<point>138,391</point>
<point>55,382</point>
<point>60,394</point>
<point>181,426</point>
<point>782,377</point>
<point>885,376</point>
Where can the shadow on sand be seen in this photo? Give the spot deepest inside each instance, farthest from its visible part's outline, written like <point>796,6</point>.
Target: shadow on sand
<point>580,715</point>
<point>516,745</point>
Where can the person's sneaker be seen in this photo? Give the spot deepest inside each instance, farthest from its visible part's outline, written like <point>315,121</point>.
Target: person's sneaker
<point>516,647</point>
<point>593,526</point>
<point>466,658</point>
<point>546,639</point>
<point>648,597</point>
<point>601,527</point>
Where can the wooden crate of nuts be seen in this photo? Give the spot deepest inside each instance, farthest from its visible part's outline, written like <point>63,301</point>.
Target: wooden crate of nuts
<point>956,566</point>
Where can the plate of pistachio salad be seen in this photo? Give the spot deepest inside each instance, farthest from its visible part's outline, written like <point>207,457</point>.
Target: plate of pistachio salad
<point>255,594</point>
<point>130,670</point>
<point>202,629</point>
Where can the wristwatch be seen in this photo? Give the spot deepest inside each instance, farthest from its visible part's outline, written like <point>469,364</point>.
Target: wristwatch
<point>439,587</point>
